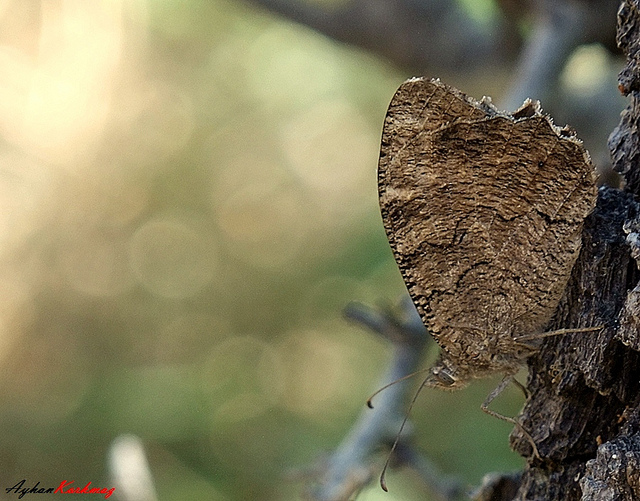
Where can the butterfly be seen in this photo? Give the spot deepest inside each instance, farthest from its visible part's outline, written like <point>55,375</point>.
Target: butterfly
<point>484,212</point>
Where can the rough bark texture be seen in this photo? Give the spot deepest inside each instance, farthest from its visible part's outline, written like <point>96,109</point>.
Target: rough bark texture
<point>584,408</point>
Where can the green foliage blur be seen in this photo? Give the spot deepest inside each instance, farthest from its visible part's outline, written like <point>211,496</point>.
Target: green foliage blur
<point>187,202</point>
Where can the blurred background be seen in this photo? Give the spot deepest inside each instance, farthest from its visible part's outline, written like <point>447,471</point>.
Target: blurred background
<point>187,202</point>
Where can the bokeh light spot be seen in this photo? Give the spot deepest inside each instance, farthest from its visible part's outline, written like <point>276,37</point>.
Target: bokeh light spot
<point>96,265</point>
<point>340,168</point>
<point>587,70</point>
<point>280,68</point>
<point>316,367</point>
<point>171,258</point>
<point>154,121</point>
<point>244,376</point>
<point>264,224</point>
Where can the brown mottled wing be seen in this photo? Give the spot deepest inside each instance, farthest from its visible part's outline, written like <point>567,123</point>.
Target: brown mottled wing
<point>413,110</point>
<point>483,212</point>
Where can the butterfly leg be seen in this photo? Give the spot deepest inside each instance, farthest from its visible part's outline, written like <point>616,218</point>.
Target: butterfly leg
<point>496,391</point>
<point>559,332</point>
<point>521,386</point>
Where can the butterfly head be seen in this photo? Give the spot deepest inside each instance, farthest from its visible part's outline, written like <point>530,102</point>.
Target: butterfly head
<point>445,377</point>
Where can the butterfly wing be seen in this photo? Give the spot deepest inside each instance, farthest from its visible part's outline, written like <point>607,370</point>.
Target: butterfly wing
<point>484,214</point>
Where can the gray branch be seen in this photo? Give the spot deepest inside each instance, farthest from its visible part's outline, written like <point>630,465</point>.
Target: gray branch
<point>356,461</point>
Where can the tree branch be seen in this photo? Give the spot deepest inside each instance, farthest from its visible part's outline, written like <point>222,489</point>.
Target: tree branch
<point>355,462</point>
<point>413,34</point>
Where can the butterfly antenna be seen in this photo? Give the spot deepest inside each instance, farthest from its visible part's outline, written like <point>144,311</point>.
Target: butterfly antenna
<point>383,481</point>
<point>403,378</point>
